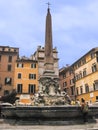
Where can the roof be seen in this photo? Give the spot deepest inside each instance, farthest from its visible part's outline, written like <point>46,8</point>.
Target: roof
<point>93,49</point>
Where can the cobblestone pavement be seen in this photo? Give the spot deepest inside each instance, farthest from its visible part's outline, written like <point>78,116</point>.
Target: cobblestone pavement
<point>63,125</point>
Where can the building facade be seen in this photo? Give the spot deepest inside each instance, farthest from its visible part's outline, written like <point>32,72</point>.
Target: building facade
<point>67,83</point>
<point>86,76</point>
<point>8,57</point>
<point>39,55</point>
<point>80,80</point>
<point>26,76</point>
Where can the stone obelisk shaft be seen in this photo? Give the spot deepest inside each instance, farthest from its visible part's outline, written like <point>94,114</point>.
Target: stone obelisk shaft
<point>49,68</point>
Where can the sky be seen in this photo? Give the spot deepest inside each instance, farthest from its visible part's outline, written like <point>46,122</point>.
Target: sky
<point>74,26</point>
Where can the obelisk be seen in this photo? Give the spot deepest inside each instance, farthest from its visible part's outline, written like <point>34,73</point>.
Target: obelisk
<point>48,64</point>
<point>48,82</point>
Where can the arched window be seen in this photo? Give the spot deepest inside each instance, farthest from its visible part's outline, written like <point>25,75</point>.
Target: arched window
<point>86,88</point>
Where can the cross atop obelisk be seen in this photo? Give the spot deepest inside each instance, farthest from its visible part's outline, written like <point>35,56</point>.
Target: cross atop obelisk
<point>48,4</point>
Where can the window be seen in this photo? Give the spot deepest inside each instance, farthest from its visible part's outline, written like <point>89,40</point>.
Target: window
<point>64,76</point>
<point>14,50</point>
<point>0,57</point>
<point>32,88</point>
<point>96,85</point>
<point>64,84</point>
<point>6,92</point>
<point>92,55</point>
<point>94,68</point>
<point>97,56</point>
<point>71,71</point>
<point>32,76</point>
<point>19,75</point>
<point>3,49</point>
<point>10,59</point>
<point>77,91</point>
<point>86,88</point>
<point>80,75</point>
<point>76,77</point>
<point>9,67</point>
<point>33,65</point>
<point>96,98</point>
<point>71,81</point>
<point>72,90</point>
<point>19,65</point>
<point>81,89</point>
<point>75,67</point>
<point>84,72</point>
<point>83,61</point>
<point>19,88</point>
<point>79,64</point>
<point>0,86</point>
<point>8,81</point>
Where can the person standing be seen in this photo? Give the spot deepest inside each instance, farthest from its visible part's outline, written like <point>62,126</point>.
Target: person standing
<point>84,109</point>
<point>0,110</point>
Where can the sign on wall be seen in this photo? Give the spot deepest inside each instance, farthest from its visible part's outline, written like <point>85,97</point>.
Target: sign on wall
<point>91,95</point>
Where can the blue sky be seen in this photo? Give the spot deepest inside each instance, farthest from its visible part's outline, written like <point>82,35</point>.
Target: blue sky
<point>74,26</point>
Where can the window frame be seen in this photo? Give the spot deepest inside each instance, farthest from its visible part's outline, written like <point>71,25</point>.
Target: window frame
<point>9,82</point>
<point>20,65</point>
<point>32,76</point>
<point>19,88</point>
<point>94,68</point>
<point>86,88</point>
<point>9,58</point>
<point>33,65</point>
<point>9,67</point>
<point>31,88</point>
<point>19,76</point>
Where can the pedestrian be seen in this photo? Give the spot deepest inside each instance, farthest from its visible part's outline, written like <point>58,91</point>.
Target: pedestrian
<point>78,102</point>
<point>0,110</point>
<point>84,109</point>
<point>82,100</point>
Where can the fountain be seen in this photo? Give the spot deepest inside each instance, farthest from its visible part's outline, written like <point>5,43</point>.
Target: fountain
<point>50,101</point>
<point>49,89</point>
